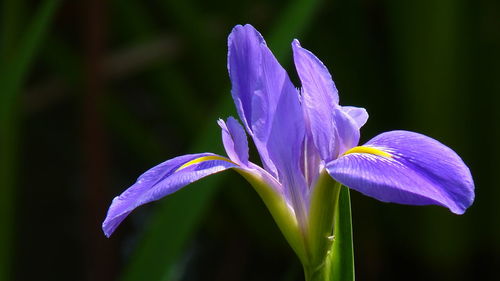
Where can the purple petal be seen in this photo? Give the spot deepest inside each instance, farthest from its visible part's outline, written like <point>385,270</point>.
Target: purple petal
<point>320,98</point>
<point>315,78</point>
<point>243,63</point>
<point>334,129</point>
<point>358,114</point>
<point>255,105</point>
<point>235,141</point>
<point>346,133</point>
<point>286,131</point>
<point>310,160</point>
<point>162,180</point>
<point>419,171</point>
<point>266,100</point>
<point>269,106</point>
<point>285,145</point>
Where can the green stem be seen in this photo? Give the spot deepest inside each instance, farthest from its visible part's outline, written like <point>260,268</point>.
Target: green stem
<point>319,274</point>
<point>333,259</point>
<point>322,215</point>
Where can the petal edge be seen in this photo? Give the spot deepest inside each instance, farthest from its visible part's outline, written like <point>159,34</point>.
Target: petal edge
<point>162,180</point>
<point>421,171</point>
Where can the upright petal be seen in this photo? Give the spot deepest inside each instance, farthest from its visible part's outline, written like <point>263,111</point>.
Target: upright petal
<point>255,105</point>
<point>407,168</point>
<point>285,145</point>
<point>266,100</point>
<point>162,180</point>
<point>315,78</point>
<point>235,141</point>
<point>274,116</point>
<point>319,99</point>
<point>286,131</point>
<point>243,63</point>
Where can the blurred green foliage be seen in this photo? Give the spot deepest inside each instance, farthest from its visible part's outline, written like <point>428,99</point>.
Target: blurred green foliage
<point>427,66</point>
<point>17,51</point>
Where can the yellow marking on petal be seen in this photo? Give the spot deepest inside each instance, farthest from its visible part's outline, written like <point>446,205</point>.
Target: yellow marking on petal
<point>203,159</point>
<point>369,150</point>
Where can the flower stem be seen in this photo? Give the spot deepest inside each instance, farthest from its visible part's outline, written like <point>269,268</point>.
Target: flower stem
<point>331,259</point>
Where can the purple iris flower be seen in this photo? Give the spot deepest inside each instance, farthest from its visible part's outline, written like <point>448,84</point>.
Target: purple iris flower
<point>302,135</point>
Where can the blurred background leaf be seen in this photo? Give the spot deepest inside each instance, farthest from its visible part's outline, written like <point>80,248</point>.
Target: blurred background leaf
<point>111,88</point>
<point>18,50</point>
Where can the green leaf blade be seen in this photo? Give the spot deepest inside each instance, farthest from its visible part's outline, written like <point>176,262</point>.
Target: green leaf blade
<point>342,254</point>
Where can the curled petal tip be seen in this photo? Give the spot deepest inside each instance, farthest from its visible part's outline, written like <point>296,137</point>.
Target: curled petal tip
<point>221,123</point>
<point>295,43</point>
<point>112,221</point>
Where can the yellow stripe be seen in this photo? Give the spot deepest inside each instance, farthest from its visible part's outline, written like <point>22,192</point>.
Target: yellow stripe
<point>203,159</point>
<point>369,150</point>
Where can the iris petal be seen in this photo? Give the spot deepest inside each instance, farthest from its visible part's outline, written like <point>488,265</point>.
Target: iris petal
<point>254,103</point>
<point>319,99</point>
<point>419,171</point>
<point>162,180</point>
<point>269,104</point>
<point>358,114</point>
<point>286,131</point>
<point>346,133</point>
<point>334,129</point>
<point>243,63</point>
<point>315,77</point>
<point>235,140</point>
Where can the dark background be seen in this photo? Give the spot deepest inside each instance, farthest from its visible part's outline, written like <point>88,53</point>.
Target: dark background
<point>94,92</point>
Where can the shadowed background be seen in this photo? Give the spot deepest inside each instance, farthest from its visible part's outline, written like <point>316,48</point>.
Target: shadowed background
<point>93,93</point>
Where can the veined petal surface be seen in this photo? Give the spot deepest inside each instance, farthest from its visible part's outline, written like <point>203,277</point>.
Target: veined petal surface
<point>286,131</point>
<point>254,103</point>
<point>358,114</point>
<point>162,180</point>
<point>235,141</point>
<point>270,108</point>
<point>407,168</point>
<point>319,99</point>
<point>346,132</point>
<point>243,63</point>
<point>334,129</point>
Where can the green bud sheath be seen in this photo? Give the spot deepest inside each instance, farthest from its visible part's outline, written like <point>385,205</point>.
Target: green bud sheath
<point>324,200</point>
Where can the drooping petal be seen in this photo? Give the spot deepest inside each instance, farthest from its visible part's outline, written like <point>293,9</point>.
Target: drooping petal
<point>235,141</point>
<point>407,168</point>
<point>358,114</point>
<point>162,180</point>
<point>255,105</point>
